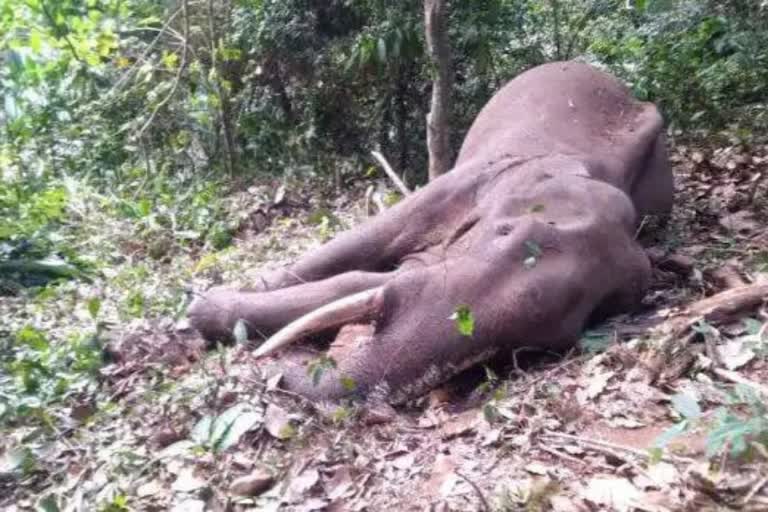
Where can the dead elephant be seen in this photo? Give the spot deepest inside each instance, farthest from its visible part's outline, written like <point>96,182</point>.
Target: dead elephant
<point>533,231</point>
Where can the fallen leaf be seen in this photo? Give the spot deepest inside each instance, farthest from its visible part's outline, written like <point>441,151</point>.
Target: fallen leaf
<point>277,422</point>
<point>189,506</point>
<point>460,425</point>
<point>304,482</point>
<point>274,381</point>
<point>742,222</point>
<point>252,484</point>
<point>379,413</point>
<point>149,489</point>
<point>616,493</point>
<point>312,504</point>
<point>663,474</point>
<point>622,422</point>
<point>735,353</point>
<point>341,483</point>
<point>443,476</point>
<point>404,461</point>
<point>187,481</point>
<point>537,468</point>
<point>597,384</point>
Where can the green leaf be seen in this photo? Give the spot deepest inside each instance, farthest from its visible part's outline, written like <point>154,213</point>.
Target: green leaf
<point>686,406</point>
<point>704,328</point>
<point>465,321</point>
<point>534,253</point>
<point>349,384</point>
<point>202,431</point>
<point>170,60</point>
<point>490,412</point>
<point>595,342</point>
<point>318,367</point>
<point>19,459</point>
<point>232,424</point>
<point>224,431</point>
<point>287,432</point>
<point>671,434</point>
<point>33,338</point>
<point>94,306</point>
<point>48,503</point>
<point>654,455</point>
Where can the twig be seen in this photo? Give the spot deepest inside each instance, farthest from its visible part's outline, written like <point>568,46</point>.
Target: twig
<point>484,506</point>
<point>562,455</point>
<point>391,173</point>
<point>641,226</point>
<point>372,199</point>
<point>738,379</point>
<point>595,443</point>
<point>755,488</point>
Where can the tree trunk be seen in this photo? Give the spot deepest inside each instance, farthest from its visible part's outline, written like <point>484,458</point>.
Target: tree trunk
<point>438,120</point>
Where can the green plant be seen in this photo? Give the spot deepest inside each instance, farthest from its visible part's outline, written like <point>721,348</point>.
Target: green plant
<point>317,368</point>
<point>733,428</point>
<point>464,320</point>
<point>595,341</point>
<point>743,422</point>
<point>218,433</point>
<point>38,373</point>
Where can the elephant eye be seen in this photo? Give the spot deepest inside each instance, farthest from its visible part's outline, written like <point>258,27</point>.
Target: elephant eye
<point>504,228</point>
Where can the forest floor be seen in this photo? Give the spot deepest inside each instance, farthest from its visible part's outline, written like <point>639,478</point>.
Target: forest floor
<point>659,411</point>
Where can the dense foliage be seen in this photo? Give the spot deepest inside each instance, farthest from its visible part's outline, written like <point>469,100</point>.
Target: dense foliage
<point>153,110</point>
<point>127,127</point>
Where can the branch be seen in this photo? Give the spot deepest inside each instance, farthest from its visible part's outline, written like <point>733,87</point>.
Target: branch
<point>738,379</point>
<point>177,79</point>
<point>64,35</point>
<point>146,53</point>
<point>391,173</point>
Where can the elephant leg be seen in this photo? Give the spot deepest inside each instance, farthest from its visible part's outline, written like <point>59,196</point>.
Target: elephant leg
<point>380,244</point>
<point>216,312</point>
<point>652,193</point>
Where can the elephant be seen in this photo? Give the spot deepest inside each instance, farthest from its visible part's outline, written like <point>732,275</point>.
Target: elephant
<point>531,236</point>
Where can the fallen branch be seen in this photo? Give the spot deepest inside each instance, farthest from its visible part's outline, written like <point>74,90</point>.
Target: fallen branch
<point>562,455</point>
<point>596,444</point>
<point>726,306</point>
<point>738,379</point>
<point>754,490</point>
<point>391,173</point>
<point>671,356</point>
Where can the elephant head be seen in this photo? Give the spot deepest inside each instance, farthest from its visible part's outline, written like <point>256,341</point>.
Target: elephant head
<point>532,232</point>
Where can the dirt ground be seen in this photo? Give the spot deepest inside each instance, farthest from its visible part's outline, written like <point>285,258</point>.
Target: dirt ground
<point>657,411</point>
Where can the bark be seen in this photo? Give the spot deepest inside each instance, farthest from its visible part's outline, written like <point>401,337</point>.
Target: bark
<point>438,120</point>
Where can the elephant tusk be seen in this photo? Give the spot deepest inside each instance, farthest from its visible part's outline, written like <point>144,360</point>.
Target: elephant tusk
<point>339,312</point>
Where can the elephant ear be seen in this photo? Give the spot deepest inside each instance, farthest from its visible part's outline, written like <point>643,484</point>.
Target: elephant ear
<point>342,311</point>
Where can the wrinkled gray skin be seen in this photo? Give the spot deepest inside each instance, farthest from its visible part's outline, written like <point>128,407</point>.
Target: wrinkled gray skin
<point>562,159</point>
